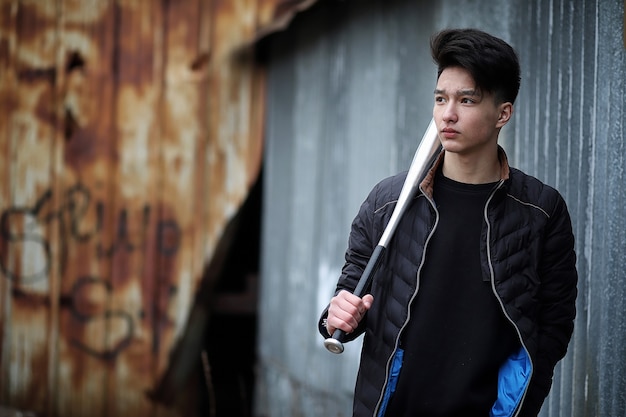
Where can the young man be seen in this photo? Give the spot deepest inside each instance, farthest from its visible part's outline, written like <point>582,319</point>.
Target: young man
<point>474,302</point>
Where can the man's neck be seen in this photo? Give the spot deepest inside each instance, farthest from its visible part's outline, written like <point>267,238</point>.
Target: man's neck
<point>471,170</point>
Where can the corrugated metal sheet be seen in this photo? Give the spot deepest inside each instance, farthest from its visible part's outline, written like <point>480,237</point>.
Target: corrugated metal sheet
<point>572,135</point>
<point>349,95</point>
<point>130,133</point>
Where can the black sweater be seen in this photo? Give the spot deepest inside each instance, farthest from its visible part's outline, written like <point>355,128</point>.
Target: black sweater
<point>457,336</point>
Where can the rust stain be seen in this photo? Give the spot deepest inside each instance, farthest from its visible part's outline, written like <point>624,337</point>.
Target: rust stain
<point>83,343</point>
<point>4,52</point>
<point>30,22</point>
<point>136,33</point>
<point>24,345</point>
<point>89,297</point>
<point>153,120</point>
<point>85,146</point>
<point>275,15</point>
<point>44,110</point>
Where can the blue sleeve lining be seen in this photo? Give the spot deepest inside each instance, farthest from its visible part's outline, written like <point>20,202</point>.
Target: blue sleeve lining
<point>394,373</point>
<point>513,378</point>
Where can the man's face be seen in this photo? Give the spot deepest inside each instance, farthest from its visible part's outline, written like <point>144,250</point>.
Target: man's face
<point>468,120</point>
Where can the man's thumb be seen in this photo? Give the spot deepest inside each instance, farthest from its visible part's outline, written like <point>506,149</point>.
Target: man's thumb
<point>368,299</point>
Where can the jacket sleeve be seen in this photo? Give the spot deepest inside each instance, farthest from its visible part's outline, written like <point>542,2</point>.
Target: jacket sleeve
<point>557,300</point>
<point>360,247</point>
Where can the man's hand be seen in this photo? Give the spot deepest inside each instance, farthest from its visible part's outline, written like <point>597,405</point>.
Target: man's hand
<point>346,311</point>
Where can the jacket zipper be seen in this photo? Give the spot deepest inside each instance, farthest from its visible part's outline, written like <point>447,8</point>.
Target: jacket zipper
<point>493,288</point>
<point>408,318</point>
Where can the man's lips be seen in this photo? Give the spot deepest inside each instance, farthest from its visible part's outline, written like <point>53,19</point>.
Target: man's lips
<point>449,133</point>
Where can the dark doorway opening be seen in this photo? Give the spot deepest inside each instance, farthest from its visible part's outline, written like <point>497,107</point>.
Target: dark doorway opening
<point>230,347</point>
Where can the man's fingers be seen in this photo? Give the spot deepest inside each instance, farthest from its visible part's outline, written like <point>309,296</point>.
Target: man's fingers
<point>344,320</point>
<point>346,311</point>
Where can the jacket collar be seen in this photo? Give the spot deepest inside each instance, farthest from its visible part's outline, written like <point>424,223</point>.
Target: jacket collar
<point>427,183</point>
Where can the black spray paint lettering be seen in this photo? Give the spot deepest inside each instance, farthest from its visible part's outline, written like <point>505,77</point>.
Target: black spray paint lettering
<point>86,284</point>
<point>20,228</point>
<point>85,318</point>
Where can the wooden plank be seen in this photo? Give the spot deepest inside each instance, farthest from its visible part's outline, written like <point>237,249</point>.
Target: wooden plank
<point>235,87</point>
<point>27,206</point>
<point>136,203</point>
<point>181,129</point>
<point>188,51</point>
<point>86,154</point>
<point>182,164</point>
<point>8,99</point>
<point>117,187</point>
<point>228,160</point>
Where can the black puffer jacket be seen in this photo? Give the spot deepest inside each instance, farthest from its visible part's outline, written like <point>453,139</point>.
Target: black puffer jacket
<point>527,252</point>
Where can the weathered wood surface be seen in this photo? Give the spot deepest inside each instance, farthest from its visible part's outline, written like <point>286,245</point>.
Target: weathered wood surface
<point>130,133</point>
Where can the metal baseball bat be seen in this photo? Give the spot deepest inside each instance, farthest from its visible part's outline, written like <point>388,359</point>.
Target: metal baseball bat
<point>428,149</point>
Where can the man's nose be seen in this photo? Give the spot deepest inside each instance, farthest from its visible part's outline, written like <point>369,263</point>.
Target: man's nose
<point>450,114</point>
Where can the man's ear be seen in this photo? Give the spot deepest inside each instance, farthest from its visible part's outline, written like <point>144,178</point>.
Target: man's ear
<point>506,111</point>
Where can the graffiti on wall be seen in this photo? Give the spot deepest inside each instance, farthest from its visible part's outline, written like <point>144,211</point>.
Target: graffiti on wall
<point>22,236</point>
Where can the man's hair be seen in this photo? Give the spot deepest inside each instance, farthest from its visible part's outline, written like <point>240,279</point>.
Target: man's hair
<point>492,63</point>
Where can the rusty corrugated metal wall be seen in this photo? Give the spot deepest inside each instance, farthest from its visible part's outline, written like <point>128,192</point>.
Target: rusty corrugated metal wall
<point>130,133</point>
<point>349,96</point>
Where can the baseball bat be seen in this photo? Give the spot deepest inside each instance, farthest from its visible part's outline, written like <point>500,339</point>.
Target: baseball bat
<point>428,149</point>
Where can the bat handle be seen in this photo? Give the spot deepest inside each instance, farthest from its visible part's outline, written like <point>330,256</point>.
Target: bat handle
<point>333,344</point>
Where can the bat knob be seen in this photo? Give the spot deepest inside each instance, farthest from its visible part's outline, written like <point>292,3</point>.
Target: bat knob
<point>333,345</point>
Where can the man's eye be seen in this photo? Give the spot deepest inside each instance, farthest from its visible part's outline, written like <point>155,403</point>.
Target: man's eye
<point>439,99</point>
<point>467,101</point>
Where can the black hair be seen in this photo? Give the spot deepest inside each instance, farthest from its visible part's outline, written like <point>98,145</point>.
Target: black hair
<point>492,63</point>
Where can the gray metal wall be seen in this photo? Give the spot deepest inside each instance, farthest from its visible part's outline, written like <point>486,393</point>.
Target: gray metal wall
<point>350,93</point>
